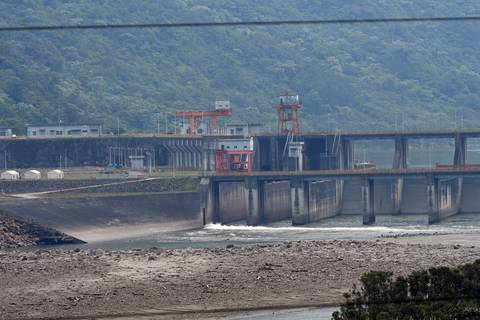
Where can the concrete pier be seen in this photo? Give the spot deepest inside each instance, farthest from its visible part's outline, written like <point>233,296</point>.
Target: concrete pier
<point>300,202</point>
<point>254,197</point>
<point>400,157</point>
<point>368,201</point>
<point>460,154</point>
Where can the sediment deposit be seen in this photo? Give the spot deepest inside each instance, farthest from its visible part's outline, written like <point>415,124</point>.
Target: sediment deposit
<point>43,284</point>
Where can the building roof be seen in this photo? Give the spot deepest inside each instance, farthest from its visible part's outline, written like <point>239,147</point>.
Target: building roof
<point>64,125</point>
<point>231,124</point>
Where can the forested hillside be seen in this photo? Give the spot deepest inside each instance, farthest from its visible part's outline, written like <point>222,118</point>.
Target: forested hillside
<point>360,75</point>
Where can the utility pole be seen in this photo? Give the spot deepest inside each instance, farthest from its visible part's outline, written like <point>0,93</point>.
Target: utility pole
<point>118,126</point>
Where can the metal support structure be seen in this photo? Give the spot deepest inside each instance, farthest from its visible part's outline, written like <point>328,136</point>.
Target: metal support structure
<point>287,110</point>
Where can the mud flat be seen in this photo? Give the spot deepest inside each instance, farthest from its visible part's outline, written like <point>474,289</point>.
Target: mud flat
<point>54,284</point>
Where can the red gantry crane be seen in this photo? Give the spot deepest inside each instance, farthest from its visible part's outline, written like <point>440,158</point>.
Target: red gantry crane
<point>287,109</point>
<point>194,118</point>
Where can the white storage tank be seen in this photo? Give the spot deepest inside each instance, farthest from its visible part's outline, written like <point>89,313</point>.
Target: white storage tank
<point>55,174</point>
<point>32,175</point>
<point>10,175</point>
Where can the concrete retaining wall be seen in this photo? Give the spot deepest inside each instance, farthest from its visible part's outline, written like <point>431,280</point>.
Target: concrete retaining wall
<point>127,185</point>
<point>277,204</point>
<point>92,218</point>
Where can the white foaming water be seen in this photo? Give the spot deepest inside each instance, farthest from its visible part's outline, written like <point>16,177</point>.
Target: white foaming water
<point>416,228</point>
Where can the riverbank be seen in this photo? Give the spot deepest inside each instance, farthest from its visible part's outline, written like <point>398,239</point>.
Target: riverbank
<point>15,233</point>
<point>44,284</point>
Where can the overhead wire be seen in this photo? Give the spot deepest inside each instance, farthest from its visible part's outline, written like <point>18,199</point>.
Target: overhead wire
<point>237,23</point>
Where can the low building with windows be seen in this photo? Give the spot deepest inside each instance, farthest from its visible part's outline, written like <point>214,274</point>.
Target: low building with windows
<point>6,132</point>
<point>243,129</point>
<point>64,130</point>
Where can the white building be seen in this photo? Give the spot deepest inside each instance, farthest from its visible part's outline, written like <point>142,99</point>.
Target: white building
<point>65,130</point>
<point>243,129</point>
<point>55,174</point>
<point>10,175</point>
<point>32,175</point>
<point>137,162</point>
<point>6,132</point>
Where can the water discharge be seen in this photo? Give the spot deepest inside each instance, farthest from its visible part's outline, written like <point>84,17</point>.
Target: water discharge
<point>336,228</point>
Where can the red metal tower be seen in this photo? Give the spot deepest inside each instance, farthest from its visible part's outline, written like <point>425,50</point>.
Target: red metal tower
<point>287,109</point>
<point>222,109</point>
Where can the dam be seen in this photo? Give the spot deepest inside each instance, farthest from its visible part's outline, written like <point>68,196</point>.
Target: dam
<point>329,185</point>
<point>310,196</point>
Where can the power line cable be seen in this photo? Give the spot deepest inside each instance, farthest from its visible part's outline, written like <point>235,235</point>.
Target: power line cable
<point>238,23</point>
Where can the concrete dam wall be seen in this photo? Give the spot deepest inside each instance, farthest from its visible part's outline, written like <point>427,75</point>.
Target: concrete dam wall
<point>100,185</point>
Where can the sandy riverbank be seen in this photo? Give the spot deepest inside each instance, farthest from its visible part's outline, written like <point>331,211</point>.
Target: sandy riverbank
<point>44,284</point>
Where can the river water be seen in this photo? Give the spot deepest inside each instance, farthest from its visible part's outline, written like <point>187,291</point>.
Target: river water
<point>336,228</point>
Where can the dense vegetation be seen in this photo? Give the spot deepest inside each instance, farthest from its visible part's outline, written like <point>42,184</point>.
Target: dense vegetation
<point>437,293</point>
<point>348,76</point>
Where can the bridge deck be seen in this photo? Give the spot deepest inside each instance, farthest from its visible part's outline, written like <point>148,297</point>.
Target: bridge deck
<point>348,174</point>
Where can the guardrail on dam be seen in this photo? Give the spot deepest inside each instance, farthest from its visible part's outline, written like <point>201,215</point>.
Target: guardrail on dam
<point>263,197</point>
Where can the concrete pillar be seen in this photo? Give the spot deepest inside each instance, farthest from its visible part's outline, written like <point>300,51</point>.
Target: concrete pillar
<point>459,194</point>
<point>432,200</point>
<point>401,153</point>
<point>368,201</point>
<point>397,196</point>
<point>299,191</point>
<point>460,155</point>
<point>254,197</point>
<point>210,201</point>
<point>340,184</point>
<point>178,161</point>
<point>207,207</point>
<point>196,164</point>
<point>347,155</point>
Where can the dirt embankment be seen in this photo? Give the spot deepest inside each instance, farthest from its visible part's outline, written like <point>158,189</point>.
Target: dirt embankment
<point>44,284</point>
<point>16,233</point>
